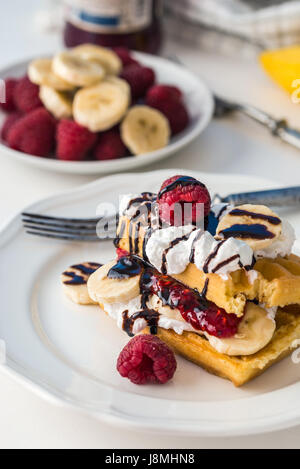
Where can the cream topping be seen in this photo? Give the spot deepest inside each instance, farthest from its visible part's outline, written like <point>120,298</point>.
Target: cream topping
<point>172,248</point>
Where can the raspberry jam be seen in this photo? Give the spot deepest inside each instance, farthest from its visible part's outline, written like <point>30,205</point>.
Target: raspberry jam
<point>127,23</point>
<point>195,308</point>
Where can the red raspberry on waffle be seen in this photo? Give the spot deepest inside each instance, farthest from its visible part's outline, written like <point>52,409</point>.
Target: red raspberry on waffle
<point>178,191</point>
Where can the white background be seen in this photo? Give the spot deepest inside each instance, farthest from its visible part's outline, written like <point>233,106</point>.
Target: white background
<point>231,145</point>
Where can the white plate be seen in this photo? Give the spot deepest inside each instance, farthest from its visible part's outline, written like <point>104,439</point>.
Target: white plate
<point>69,352</point>
<point>198,99</point>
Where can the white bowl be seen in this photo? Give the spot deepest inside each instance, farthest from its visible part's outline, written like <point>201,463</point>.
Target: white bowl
<point>198,99</point>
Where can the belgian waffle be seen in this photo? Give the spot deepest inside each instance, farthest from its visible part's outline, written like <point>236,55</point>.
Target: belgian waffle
<point>239,370</point>
<point>276,282</point>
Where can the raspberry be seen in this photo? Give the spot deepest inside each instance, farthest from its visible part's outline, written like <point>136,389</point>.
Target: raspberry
<point>9,122</point>
<point>139,79</point>
<point>121,253</point>
<point>110,146</point>
<point>175,111</point>
<point>26,95</point>
<point>34,133</point>
<point>124,55</point>
<point>180,190</point>
<point>146,359</point>
<point>9,105</point>
<point>162,93</point>
<point>73,141</point>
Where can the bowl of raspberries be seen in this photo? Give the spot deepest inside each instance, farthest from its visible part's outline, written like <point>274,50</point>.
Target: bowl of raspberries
<point>93,110</point>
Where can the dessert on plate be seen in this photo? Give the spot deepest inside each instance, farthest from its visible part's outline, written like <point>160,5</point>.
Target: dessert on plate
<point>218,284</point>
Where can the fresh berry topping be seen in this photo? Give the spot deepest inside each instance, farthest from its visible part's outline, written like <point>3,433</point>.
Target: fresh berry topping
<point>162,93</point>
<point>180,190</point>
<point>34,133</point>
<point>175,111</point>
<point>73,141</point>
<point>9,122</point>
<point>26,95</point>
<point>146,359</point>
<point>10,85</point>
<point>139,78</point>
<point>124,55</point>
<point>110,146</point>
<point>121,253</point>
<point>195,309</point>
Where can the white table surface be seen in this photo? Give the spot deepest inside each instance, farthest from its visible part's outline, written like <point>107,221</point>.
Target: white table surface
<point>231,145</point>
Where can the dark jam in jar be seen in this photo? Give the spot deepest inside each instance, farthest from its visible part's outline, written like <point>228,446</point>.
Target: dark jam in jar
<point>135,24</point>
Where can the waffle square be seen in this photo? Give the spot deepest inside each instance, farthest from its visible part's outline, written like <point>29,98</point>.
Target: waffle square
<point>243,369</point>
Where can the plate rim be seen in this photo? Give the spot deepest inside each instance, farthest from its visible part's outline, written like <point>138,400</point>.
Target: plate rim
<point>120,164</point>
<point>111,414</point>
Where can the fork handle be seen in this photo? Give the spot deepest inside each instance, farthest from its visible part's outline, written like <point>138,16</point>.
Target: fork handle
<point>289,196</point>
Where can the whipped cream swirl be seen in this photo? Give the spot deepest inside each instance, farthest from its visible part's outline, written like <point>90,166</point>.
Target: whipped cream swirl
<point>171,249</point>
<point>282,246</point>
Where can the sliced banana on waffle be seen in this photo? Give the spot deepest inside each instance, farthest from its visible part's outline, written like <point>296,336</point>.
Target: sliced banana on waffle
<point>100,107</point>
<point>103,289</point>
<point>75,70</point>
<point>255,331</point>
<point>145,130</point>
<point>40,72</point>
<point>257,225</point>
<point>74,281</point>
<point>99,55</point>
<point>57,102</point>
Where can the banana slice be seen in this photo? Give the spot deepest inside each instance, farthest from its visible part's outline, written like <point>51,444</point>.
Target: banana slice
<point>257,225</point>
<point>103,289</point>
<point>58,103</point>
<point>40,72</point>
<point>255,332</point>
<point>122,84</point>
<point>74,281</point>
<point>100,107</point>
<point>76,70</point>
<point>144,130</point>
<point>100,55</point>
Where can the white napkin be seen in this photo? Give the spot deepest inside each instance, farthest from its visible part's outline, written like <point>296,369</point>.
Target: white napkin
<point>267,22</point>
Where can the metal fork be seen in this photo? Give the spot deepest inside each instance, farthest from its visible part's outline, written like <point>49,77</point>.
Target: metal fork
<point>70,229</point>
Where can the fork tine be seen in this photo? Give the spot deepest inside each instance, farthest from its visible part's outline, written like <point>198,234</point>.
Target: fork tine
<point>61,220</point>
<point>64,224</point>
<point>63,231</point>
<point>60,229</point>
<point>64,237</point>
<point>79,229</point>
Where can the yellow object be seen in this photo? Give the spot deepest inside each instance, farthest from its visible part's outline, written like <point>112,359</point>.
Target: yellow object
<point>283,66</point>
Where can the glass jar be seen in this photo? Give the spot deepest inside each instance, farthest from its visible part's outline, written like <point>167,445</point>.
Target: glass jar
<point>135,24</point>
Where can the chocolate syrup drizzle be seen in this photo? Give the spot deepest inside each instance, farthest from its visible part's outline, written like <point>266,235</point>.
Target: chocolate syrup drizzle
<point>256,216</point>
<point>120,234</point>
<point>86,269</point>
<point>197,237</point>
<point>172,245</point>
<point>181,181</point>
<point>149,315</point>
<point>136,221</point>
<point>212,256</point>
<point>126,267</point>
<point>244,231</point>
